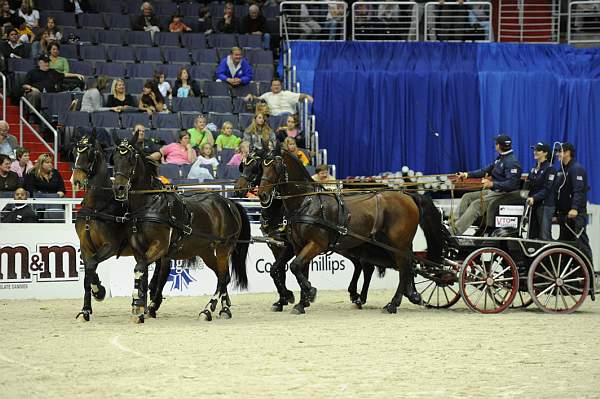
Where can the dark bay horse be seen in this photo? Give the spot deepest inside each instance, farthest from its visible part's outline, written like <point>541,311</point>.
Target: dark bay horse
<point>376,227</point>
<point>166,225</point>
<point>272,216</point>
<point>100,221</point>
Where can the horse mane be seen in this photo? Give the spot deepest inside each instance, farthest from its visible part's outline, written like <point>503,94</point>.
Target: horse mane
<point>296,170</point>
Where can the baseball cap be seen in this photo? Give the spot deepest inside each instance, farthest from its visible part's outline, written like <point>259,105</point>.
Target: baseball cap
<point>541,147</point>
<point>44,57</point>
<point>503,140</point>
<point>567,147</point>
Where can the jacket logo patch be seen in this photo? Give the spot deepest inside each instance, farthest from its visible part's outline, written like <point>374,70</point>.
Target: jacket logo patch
<point>550,177</point>
<point>513,170</point>
<point>580,178</point>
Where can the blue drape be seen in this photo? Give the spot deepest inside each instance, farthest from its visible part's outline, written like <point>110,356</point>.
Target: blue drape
<point>436,107</point>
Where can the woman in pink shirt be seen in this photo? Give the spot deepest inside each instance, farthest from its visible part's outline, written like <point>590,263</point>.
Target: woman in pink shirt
<point>22,165</point>
<point>180,153</point>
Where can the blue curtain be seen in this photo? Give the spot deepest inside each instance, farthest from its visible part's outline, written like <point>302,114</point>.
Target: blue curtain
<point>436,107</point>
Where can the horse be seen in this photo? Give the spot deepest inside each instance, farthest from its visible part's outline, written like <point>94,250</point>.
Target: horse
<point>272,226</point>
<point>100,221</point>
<point>167,225</point>
<point>378,226</point>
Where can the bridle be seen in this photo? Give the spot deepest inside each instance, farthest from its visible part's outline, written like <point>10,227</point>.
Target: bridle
<point>251,163</point>
<point>126,150</point>
<point>82,146</point>
<point>282,177</point>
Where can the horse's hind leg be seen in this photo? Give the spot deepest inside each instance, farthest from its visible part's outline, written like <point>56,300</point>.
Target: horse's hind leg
<point>405,277</point>
<point>352,287</point>
<point>367,275</point>
<point>218,261</point>
<point>282,256</point>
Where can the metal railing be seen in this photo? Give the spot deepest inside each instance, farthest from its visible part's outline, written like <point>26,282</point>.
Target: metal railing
<point>313,20</point>
<point>453,21</point>
<point>385,20</point>
<point>3,95</point>
<point>583,22</point>
<point>529,21</point>
<point>23,122</point>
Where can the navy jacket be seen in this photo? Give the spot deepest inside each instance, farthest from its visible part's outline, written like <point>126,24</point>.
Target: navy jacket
<point>572,188</point>
<point>542,184</point>
<point>505,172</point>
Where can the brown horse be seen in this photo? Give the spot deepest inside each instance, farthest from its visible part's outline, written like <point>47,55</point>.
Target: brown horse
<point>100,221</point>
<point>166,225</point>
<point>376,227</point>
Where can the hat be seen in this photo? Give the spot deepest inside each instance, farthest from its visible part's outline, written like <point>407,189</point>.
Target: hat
<point>541,147</point>
<point>503,140</point>
<point>567,147</point>
<point>44,57</point>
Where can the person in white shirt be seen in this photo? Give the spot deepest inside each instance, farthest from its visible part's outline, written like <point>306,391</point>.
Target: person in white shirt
<point>31,16</point>
<point>281,101</point>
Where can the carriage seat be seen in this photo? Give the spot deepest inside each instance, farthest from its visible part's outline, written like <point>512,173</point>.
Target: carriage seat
<point>503,211</point>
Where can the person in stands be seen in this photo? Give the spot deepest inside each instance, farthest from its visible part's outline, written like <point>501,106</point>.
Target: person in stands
<point>226,139</point>
<point>12,48</point>
<point>147,21</point>
<point>8,142</point>
<point>185,86</point>
<point>258,132</point>
<point>200,134</point>
<point>180,153</point>
<point>322,176</point>
<point>256,24</point>
<point>22,165</point>
<point>151,100</point>
<point>289,144</point>
<point>229,23</point>
<point>44,178</point>
<point>18,213</point>
<point>234,69</point>
<point>240,155</point>
<point>281,101</point>
<point>119,100</point>
<point>177,25</point>
<point>292,129</point>
<point>9,180</point>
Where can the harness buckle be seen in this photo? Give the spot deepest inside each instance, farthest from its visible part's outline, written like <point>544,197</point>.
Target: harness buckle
<point>134,228</point>
<point>343,230</point>
<point>187,230</point>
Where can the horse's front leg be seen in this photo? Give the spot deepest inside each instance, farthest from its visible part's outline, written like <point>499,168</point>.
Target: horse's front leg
<point>91,282</point>
<point>367,275</point>
<point>282,257</point>
<point>352,287</point>
<point>159,279</point>
<point>308,292</point>
<point>405,275</point>
<point>143,258</point>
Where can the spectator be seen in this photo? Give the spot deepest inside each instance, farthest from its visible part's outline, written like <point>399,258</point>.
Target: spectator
<point>41,46</point>
<point>92,98</point>
<point>322,176</point>
<point>9,180</point>
<point>199,134</point>
<point>44,178</point>
<point>310,28</point>
<point>256,24</point>
<point>8,142</point>
<point>150,146</point>
<point>292,129</point>
<point>177,24</point>
<point>22,165</point>
<point>31,16</point>
<point>259,131</point>
<point>164,87</point>
<point>147,21</point>
<point>151,100</point>
<point>452,21</point>
<point>184,86</point>
<point>229,23</point>
<point>7,17</point>
<point>226,139</point>
<point>362,21</point>
<point>289,144</point>
<point>180,153</point>
<point>240,155</point>
<point>44,80</point>
<point>205,159</point>
<point>60,64</point>
<point>234,69</point>
<point>54,33</point>
<point>281,101</point>
<point>26,35</point>
<point>333,20</point>
<point>76,6</point>
<point>13,48</point>
<point>118,97</point>
<point>19,213</point>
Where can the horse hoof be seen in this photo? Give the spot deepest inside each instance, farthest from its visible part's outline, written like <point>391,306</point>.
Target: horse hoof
<point>312,294</point>
<point>353,297</point>
<point>138,318</point>
<point>100,295</point>
<point>357,304</point>
<point>206,315</point>
<point>389,308</point>
<point>213,305</point>
<point>415,298</point>
<point>85,313</point>
<point>152,313</point>
<point>290,297</point>
<point>298,309</point>
<point>277,307</point>
<point>225,313</point>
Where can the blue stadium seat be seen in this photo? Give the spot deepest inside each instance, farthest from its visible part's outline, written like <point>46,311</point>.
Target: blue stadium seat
<point>165,8</point>
<point>56,5</point>
<point>130,119</point>
<point>167,135</point>
<point>77,119</point>
<point>105,119</point>
<point>110,37</point>
<point>228,172</point>
<point>87,36</point>
<point>219,118</point>
<point>20,64</point>
<point>138,38</point>
<point>276,121</point>
<point>193,41</point>
<point>242,91</point>
<point>263,73</point>
<point>211,89</point>
<point>125,54</point>
<point>135,85</point>
<point>264,87</point>
<point>225,155</point>
<point>92,53</point>
<point>245,120</point>
<point>82,67</point>
<point>56,104</point>
<point>176,55</point>
<point>188,119</point>
<point>259,57</point>
<point>61,18</point>
<point>140,70</point>
<point>166,121</point>
<point>187,104</point>
<point>112,69</point>
<point>110,7</point>
<point>205,56</point>
<point>123,134</point>
<point>189,9</point>
<point>69,51</point>
<point>250,41</point>
<point>147,55</point>
<point>202,72</point>
<point>270,12</point>
<point>167,39</point>
<point>223,40</point>
<point>220,105</point>
<point>117,21</point>
<point>170,171</point>
<point>239,105</point>
<point>91,21</point>
<point>170,70</point>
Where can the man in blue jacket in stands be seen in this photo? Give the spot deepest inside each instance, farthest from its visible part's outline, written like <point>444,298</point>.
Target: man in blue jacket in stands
<point>571,204</point>
<point>234,69</point>
<point>498,178</point>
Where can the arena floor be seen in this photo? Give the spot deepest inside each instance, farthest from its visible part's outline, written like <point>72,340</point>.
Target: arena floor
<point>332,351</point>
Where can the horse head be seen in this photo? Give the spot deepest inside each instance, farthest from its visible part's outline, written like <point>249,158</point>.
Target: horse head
<point>274,173</point>
<point>251,172</point>
<point>126,159</point>
<point>87,154</point>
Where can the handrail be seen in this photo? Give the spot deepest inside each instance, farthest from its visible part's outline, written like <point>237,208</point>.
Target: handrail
<point>399,23</point>
<point>453,30</point>
<point>22,121</point>
<point>316,147</point>
<point>3,95</point>
<point>531,21</point>
<point>303,20</point>
<point>579,30</point>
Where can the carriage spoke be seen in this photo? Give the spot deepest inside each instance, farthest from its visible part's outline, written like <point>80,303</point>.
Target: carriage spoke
<point>571,295</point>
<point>504,280</point>
<point>453,291</point>
<point>546,269</point>
<point>477,283</point>
<point>548,297</point>
<point>544,276</point>
<point>437,291</point>
<point>574,279</point>
<point>546,290</point>
<point>566,268</point>
<point>430,296</point>
<point>558,272</point>
<point>446,295</point>
<point>481,293</point>
<point>571,272</point>
<point>501,273</point>
<point>486,292</point>
<point>562,297</point>
<point>553,266</point>
<point>578,290</point>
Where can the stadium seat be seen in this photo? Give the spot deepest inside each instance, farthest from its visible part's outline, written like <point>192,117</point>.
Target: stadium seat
<point>240,106</point>
<point>137,38</point>
<point>228,172</point>
<point>202,72</point>
<point>204,56</point>
<point>149,55</point>
<point>223,40</point>
<point>245,120</point>
<point>193,41</point>
<point>105,119</point>
<point>56,5</point>
<point>167,39</point>
<point>170,70</point>
<point>188,119</point>
<point>69,51</point>
<point>276,121</point>
<point>92,53</point>
<point>219,118</point>
<point>117,21</point>
<point>140,70</point>
<point>87,36</point>
<point>20,64</point>
<point>243,91</point>
<point>263,73</point>
<point>112,69</point>
<point>82,67</point>
<point>250,41</point>
<point>264,87</point>
<point>61,18</point>
<point>167,135</point>
<point>165,8</point>
<point>211,89</point>
<point>176,55</point>
<point>121,134</point>
<point>218,104</point>
<point>166,121</point>
<point>91,21</point>
<point>259,57</point>
<point>56,103</point>
<point>130,119</point>
<point>110,7</point>
<point>225,156</point>
<point>110,37</point>
<point>125,54</point>
<point>77,119</point>
<point>170,171</point>
<point>135,85</point>
<point>187,104</point>
<point>270,12</point>
<point>189,8</point>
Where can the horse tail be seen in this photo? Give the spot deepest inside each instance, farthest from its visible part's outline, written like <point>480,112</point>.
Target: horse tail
<point>437,236</point>
<point>240,252</point>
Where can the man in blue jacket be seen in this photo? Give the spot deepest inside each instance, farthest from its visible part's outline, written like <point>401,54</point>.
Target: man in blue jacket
<point>234,69</point>
<point>572,182</point>
<point>498,178</point>
<point>542,192</point>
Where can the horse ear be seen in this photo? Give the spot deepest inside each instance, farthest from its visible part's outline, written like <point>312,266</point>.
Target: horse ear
<point>277,149</point>
<point>134,139</point>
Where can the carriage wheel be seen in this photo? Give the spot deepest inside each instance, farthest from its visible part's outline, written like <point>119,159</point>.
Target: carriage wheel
<point>522,299</point>
<point>558,281</point>
<point>489,280</point>
<point>438,295</point>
